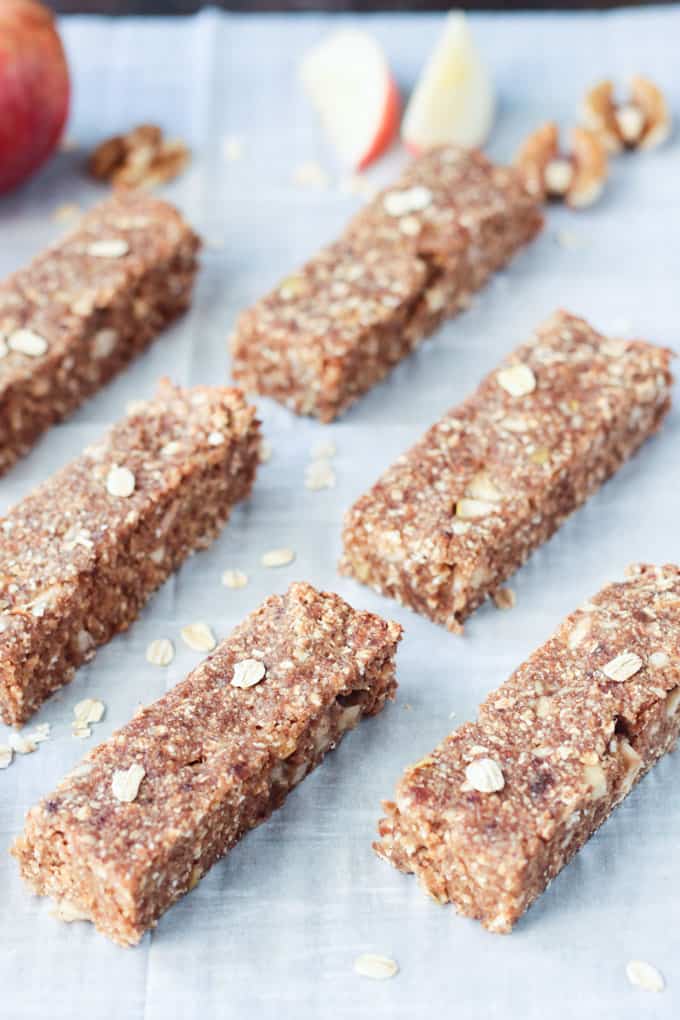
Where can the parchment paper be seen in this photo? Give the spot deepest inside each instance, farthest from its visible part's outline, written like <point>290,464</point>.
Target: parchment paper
<point>273,930</point>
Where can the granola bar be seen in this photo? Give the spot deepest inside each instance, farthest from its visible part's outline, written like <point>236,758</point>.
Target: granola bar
<point>496,811</point>
<point>81,555</point>
<point>146,814</point>
<point>84,308</point>
<point>406,262</point>
<point>452,519</point>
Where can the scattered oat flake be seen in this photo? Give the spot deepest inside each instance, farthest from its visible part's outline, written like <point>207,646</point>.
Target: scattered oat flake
<point>65,212</point>
<point>160,652</point>
<point>623,667</point>
<point>198,636</point>
<point>319,475</point>
<point>505,598</point>
<point>310,175</point>
<point>234,579</point>
<point>89,710</point>
<point>372,965</point>
<point>517,380</point>
<point>23,743</point>
<point>247,673</point>
<point>81,730</point>
<point>644,975</point>
<point>277,558</point>
<point>6,755</point>
<point>232,148</point>
<point>126,782</point>
<point>120,481</point>
<point>484,775</point>
<point>39,733</point>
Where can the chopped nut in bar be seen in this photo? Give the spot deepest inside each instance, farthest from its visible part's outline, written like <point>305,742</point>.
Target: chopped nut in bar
<point>149,812</point>
<point>81,555</point>
<point>452,519</point>
<point>410,259</point>
<point>499,808</point>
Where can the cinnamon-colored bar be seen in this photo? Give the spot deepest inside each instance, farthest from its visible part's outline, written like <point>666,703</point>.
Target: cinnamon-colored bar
<point>409,260</point>
<point>81,555</point>
<point>497,810</point>
<point>84,308</point>
<point>454,517</point>
<point>210,760</point>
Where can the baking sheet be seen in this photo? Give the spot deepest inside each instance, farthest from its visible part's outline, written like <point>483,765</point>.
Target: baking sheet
<point>273,930</point>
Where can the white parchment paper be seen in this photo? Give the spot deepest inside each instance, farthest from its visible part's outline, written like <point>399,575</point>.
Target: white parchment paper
<point>273,930</point>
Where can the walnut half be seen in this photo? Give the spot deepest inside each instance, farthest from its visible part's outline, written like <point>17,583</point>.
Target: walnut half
<point>576,178</point>
<point>642,122</point>
<point>142,158</point>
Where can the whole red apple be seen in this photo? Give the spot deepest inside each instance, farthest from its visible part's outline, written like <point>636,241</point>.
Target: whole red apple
<point>34,89</point>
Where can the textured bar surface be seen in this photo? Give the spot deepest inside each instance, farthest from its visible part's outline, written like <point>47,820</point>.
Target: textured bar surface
<point>77,563</point>
<point>572,730</point>
<point>406,262</point>
<point>217,760</point>
<point>84,308</point>
<point>455,516</point>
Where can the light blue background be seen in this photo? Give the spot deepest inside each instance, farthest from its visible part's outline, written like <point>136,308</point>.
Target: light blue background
<point>273,931</point>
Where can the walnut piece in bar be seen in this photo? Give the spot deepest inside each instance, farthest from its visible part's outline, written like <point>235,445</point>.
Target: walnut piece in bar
<point>410,259</point>
<point>81,555</point>
<point>86,307</point>
<point>147,813</point>
<point>497,810</point>
<point>453,518</point>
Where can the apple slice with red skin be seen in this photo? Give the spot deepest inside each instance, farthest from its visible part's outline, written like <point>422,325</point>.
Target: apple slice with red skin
<point>349,83</point>
<point>34,89</point>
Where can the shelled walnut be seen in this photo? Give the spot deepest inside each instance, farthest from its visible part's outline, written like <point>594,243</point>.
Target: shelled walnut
<point>577,177</point>
<point>142,158</point>
<point>642,122</point>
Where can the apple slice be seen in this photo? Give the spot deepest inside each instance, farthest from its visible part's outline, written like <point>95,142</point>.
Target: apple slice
<point>454,98</point>
<point>349,83</point>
